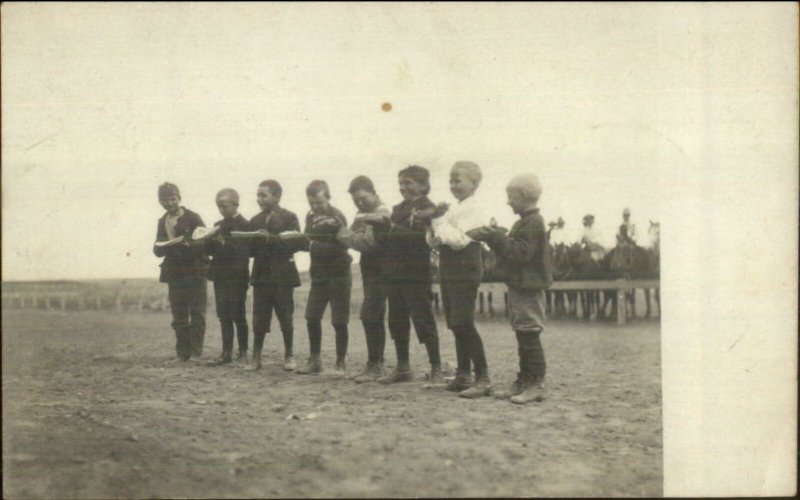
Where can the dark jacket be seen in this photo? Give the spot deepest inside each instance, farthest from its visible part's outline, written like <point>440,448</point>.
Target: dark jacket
<point>522,254</point>
<point>184,259</point>
<point>230,261</point>
<point>361,237</point>
<point>407,253</point>
<point>274,258</point>
<point>329,257</point>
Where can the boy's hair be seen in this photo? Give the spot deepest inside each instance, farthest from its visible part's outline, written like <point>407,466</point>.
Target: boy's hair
<point>528,185</point>
<point>318,186</point>
<point>168,189</point>
<point>361,182</point>
<point>470,169</point>
<point>230,194</point>
<point>273,186</point>
<point>418,174</point>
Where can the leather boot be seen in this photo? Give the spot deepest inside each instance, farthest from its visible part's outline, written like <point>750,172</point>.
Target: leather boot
<point>255,363</point>
<point>224,359</point>
<point>312,367</point>
<point>289,364</point>
<point>436,374</point>
<point>242,356</point>
<point>402,373</point>
<point>481,387</point>
<point>534,391</point>
<point>372,372</point>
<point>515,388</point>
<point>462,382</point>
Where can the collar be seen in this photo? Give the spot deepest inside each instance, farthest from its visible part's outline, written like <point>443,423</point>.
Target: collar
<point>180,213</point>
<point>530,211</point>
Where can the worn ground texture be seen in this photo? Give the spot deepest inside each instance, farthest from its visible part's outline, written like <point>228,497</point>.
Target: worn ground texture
<point>92,408</point>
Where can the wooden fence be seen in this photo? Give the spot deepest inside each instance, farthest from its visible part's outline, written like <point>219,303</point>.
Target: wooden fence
<point>154,298</point>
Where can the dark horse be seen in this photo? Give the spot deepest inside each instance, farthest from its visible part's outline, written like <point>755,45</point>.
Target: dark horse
<point>630,262</point>
<point>562,303</point>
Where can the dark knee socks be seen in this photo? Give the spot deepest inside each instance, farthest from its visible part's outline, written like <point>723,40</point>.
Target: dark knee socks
<point>226,325</point>
<point>242,332</point>
<point>342,337</point>
<point>432,346</point>
<point>288,340</point>
<point>315,337</point>
<point>469,350</point>
<point>258,341</point>
<point>531,354</point>
<point>376,339</point>
<point>401,345</point>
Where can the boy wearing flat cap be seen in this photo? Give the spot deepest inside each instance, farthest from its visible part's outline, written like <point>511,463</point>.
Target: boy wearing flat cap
<point>409,275</point>
<point>184,270</point>
<point>524,257</point>
<point>230,273</point>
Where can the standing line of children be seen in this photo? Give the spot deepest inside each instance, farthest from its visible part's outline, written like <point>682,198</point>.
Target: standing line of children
<point>395,250</point>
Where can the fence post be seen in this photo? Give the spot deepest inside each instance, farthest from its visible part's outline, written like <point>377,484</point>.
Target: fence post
<point>621,306</point>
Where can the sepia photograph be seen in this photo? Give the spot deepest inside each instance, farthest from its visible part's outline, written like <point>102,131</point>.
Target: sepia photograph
<point>398,250</point>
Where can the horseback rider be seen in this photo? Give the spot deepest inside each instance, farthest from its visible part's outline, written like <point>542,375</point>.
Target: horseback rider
<point>627,230</point>
<point>591,238</point>
<point>556,233</point>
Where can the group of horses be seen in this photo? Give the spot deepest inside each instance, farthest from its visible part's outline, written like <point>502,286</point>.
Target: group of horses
<point>574,262</point>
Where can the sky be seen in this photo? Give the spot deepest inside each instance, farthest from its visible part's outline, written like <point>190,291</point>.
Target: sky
<point>607,103</point>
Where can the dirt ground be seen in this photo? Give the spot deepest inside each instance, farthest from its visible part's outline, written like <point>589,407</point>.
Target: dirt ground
<point>92,409</point>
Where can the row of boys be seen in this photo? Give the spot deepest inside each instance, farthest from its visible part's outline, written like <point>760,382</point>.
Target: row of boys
<point>395,251</point>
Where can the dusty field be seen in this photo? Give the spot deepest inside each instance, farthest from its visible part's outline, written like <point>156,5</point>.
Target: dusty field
<point>92,409</point>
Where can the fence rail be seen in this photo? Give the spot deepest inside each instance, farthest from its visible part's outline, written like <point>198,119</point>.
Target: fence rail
<point>155,299</point>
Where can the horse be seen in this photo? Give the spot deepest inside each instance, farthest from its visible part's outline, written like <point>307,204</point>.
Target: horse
<point>626,261</point>
<point>561,303</point>
<point>586,268</point>
<point>653,263</point>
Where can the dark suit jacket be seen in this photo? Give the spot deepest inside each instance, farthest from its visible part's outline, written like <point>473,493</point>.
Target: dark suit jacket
<point>407,253</point>
<point>274,258</point>
<point>183,259</point>
<point>523,254</point>
<point>230,261</point>
<point>329,257</point>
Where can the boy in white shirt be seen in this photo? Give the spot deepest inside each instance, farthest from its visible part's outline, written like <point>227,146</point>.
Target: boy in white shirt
<point>460,273</point>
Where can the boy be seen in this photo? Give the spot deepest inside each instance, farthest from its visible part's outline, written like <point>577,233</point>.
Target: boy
<point>330,276</point>
<point>409,274</point>
<point>360,236</point>
<point>523,255</point>
<point>460,273</point>
<point>274,275</point>
<point>230,273</point>
<point>184,271</point>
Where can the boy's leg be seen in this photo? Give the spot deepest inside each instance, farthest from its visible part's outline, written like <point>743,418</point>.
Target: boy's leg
<point>339,292</point>
<point>318,298</point>
<point>179,308</point>
<point>262,317</point>
<point>284,309</point>
<point>463,377</point>
<point>373,311</point>
<point>222,300</point>
<point>198,296</point>
<point>239,315</point>
<point>528,313</point>
<point>400,331</point>
<point>419,297</point>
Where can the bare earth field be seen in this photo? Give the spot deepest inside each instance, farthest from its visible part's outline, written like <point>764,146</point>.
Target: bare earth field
<point>92,409</point>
